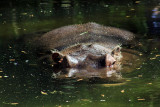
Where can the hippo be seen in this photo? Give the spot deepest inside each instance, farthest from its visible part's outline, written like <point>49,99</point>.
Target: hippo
<point>82,48</point>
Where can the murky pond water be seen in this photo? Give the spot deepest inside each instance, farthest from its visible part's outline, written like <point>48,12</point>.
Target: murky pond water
<point>23,82</point>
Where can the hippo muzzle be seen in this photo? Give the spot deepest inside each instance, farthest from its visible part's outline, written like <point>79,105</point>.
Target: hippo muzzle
<point>84,56</point>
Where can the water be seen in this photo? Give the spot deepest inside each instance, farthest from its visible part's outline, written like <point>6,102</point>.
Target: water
<point>22,82</point>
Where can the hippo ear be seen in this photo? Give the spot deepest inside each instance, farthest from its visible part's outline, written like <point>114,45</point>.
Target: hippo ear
<point>109,60</point>
<point>116,51</point>
<point>64,61</point>
<point>57,57</point>
<point>67,61</point>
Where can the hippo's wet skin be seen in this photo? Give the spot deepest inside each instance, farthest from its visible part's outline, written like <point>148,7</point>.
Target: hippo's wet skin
<point>84,49</point>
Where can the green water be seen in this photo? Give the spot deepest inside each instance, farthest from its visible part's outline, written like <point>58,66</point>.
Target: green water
<point>24,84</point>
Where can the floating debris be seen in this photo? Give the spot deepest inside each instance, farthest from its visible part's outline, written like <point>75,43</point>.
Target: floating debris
<point>111,85</point>
<point>15,63</point>
<point>153,58</point>
<point>10,47</point>
<point>67,101</point>
<point>24,52</point>
<point>1,71</point>
<point>23,13</point>
<point>5,76</point>
<point>106,5</point>
<point>102,100</point>
<point>44,93</point>
<point>0,76</point>
<point>31,15</point>
<point>128,16</point>
<point>157,55</point>
<point>26,61</point>
<point>141,99</point>
<point>139,75</point>
<point>128,80</point>
<point>79,79</point>
<point>14,103</point>
<point>53,92</point>
<point>137,2</point>
<point>60,92</point>
<point>85,100</point>
<point>138,68</point>
<point>10,103</point>
<point>122,91</point>
<point>102,95</point>
<point>11,60</point>
<point>36,97</point>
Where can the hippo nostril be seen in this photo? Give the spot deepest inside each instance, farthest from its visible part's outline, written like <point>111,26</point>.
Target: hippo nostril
<point>113,62</point>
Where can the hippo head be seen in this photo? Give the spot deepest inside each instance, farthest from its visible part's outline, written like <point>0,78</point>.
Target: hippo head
<point>86,55</point>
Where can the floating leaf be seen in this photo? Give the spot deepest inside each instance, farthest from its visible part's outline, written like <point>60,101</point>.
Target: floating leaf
<point>85,100</point>
<point>79,79</point>
<point>122,91</point>
<point>67,101</point>
<point>153,58</point>
<point>111,85</point>
<point>139,75</point>
<point>24,52</point>
<point>141,99</point>
<point>128,16</point>
<point>102,95</point>
<point>53,92</point>
<point>1,71</point>
<point>31,15</point>
<point>0,76</point>
<point>137,2</point>
<point>10,103</point>
<point>23,13</point>
<point>14,103</point>
<point>61,92</point>
<point>138,68</point>
<point>44,93</point>
<point>11,60</point>
<point>140,44</point>
<point>5,76</point>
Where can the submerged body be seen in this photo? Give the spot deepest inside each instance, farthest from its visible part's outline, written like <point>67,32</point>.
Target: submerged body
<point>83,48</point>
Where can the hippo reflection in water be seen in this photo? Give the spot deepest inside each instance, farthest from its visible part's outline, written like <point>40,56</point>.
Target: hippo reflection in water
<point>83,50</point>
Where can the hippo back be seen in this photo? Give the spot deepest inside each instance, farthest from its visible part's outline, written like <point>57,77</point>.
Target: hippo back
<point>66,36</point>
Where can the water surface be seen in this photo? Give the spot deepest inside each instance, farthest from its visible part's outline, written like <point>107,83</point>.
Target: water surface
<point>24,84</point>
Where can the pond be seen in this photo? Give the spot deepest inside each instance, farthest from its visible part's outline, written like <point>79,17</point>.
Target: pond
<point>24,84</point>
